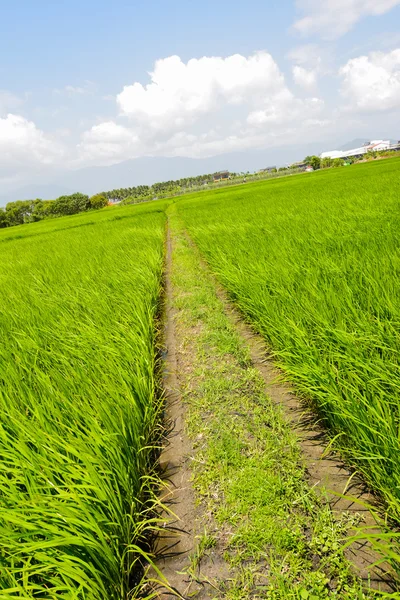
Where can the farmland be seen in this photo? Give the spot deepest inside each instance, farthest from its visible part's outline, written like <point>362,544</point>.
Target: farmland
<point>312,263</point>
<point>78,402</point>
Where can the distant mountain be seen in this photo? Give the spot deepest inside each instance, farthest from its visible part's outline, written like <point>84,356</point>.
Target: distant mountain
<point>357,143</point>
<point>30,192</point>
<point>148,170</point>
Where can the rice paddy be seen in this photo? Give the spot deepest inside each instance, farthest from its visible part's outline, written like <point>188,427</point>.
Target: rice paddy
<point>312,261</point>
<point>78,403</point>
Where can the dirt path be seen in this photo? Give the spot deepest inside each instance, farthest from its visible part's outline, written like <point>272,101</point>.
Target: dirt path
<point>176,545</point>
<point>248,520</point>
<point>177,540</point>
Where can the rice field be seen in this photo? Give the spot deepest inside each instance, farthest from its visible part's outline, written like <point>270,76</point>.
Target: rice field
<point>313,261</point>
<point>78,400</point>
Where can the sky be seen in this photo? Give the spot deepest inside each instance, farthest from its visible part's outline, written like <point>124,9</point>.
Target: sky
<point>95,83</point>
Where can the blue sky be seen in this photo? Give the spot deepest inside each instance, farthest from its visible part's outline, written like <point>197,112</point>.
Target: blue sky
<point>74,79</point>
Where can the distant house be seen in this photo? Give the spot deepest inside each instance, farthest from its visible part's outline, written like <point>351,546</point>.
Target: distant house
<point>377,145</point>
<point>268,170</point>
<point>308,169</point>
<point>221,176</point>
<point>299,165</point>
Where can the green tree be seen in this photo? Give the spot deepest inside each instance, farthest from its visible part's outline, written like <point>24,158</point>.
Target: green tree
<point>18,212</point>
<point>3,218</point>
<point>315,162</point>
<point>71,205</point>
<point>326,162</point>
<point>338,162</point>
<point>98,201</point>
<point>41,209</point>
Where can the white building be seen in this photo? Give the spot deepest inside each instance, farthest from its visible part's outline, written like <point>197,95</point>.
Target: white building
<point>373,145</point>
<point>379,145</point>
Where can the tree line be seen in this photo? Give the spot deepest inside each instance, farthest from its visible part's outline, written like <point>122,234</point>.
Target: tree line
<point>29,211</point>
<point>161,189</point>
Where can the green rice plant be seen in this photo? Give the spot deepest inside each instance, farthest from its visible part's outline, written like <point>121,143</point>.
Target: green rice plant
<point>313,261</point>
<point>78,402</point>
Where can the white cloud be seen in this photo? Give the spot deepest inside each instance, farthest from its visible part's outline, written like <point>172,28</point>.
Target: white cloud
<point>70,90</point>
<point>372,83</point>
<point>306,55</point>
<point>22,144</point>
<point>107,143</point>
<point>332,18</point>
<point>203,107</point>
<point>310,62</point>
<point>305,78</point>
<point>180,93</point>
<point>286,111</point>
<point>9,101</point>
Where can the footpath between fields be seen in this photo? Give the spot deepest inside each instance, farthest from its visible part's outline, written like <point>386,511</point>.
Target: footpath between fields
<point>257,505</point>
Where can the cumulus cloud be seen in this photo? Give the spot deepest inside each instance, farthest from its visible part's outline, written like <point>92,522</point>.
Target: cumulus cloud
<point>203,107</point>
<point>288,110</point>
<point>23,144</point>
<point>332,18</point>
<point>180,93</point>
<point>200,108</point>
<point>305,78</point>
<point>372,83</point>
<point>310,61</point>
<point>109,142</point>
